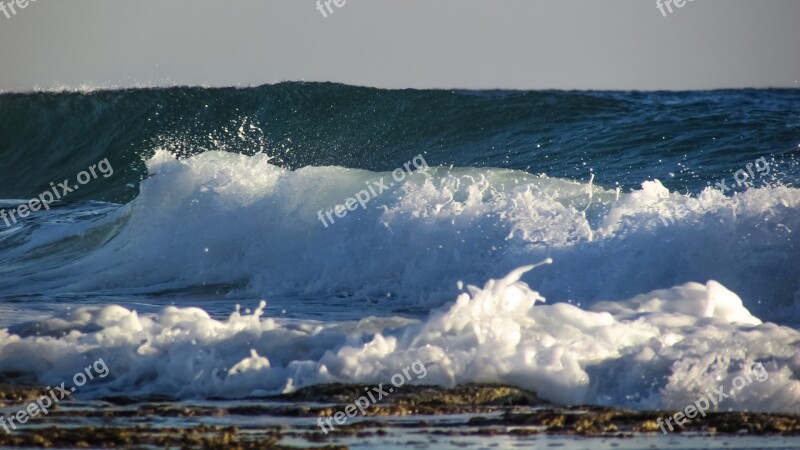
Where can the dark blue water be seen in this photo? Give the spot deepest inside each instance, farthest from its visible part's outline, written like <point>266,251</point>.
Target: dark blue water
<point>684,139</point>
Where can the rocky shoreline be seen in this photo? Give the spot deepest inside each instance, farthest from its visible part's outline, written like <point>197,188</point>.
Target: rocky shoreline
<point>290,421</point>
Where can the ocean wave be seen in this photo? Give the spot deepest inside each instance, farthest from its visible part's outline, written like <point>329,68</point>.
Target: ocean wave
<point>225,219</point>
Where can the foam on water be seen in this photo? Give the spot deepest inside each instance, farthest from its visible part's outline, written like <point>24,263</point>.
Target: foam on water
<point>663,349</point>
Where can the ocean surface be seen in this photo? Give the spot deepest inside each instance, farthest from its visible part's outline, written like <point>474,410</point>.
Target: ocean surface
<point>196,258</point>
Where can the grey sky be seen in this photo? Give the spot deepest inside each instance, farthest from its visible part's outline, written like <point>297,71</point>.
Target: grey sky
<point>524,44</point>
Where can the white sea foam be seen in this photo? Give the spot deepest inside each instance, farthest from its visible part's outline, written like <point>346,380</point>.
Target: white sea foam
<point>657,350</point>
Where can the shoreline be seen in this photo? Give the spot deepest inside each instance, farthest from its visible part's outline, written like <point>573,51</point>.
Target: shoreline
<point>290,421</point>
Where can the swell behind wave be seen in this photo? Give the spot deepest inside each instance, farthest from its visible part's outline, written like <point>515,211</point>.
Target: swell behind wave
<point>48,136</point>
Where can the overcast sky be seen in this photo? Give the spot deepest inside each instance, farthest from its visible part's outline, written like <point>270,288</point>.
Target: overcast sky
<point>522,44</point>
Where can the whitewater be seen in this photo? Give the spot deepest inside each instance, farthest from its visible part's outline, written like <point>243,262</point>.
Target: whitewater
<point>218,280</point>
